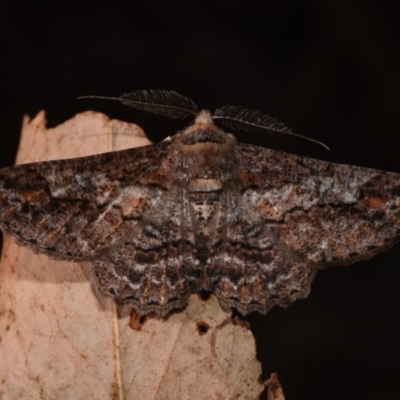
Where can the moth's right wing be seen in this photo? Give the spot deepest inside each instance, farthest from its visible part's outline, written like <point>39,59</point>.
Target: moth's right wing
<point>155,265</point>
<point>79,208</point>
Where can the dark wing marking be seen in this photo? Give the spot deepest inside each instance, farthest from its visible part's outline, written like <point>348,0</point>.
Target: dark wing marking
<point>332,214</point>
<point>292,216</point>
<point>155,265</point>
<point>79,208</point>
<point>250,267</point>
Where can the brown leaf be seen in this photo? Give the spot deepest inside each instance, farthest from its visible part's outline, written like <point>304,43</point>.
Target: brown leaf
<point>57,336</point>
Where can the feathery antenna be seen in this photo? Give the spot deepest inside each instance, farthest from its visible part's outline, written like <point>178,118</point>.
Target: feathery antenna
<point>245,119</point>
<point>167,103</point>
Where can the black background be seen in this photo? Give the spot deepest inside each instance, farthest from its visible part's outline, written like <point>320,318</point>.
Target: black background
<point>329,69</point>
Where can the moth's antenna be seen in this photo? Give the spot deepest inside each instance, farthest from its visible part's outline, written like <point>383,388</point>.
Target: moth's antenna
<point>248,120</point>
<point>162,102</point>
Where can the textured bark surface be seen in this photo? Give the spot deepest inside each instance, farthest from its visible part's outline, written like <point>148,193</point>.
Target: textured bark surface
<point>59,340</point>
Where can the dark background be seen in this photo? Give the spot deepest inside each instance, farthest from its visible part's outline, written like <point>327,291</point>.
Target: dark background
<point>329,69</point>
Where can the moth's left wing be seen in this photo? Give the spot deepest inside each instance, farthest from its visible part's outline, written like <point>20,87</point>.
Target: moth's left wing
<point>292,215</point>
<point>329,213</point>
<point>79,208</point>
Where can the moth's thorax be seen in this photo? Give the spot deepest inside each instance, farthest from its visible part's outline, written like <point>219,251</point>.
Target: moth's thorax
<point>205,185</point>
<point>204,156</point>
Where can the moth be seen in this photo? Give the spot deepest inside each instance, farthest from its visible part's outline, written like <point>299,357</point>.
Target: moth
<point>200,211</point>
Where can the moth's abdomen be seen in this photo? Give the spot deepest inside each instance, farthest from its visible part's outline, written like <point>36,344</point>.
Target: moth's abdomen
<point>205,205</point>
<point>205,211</point>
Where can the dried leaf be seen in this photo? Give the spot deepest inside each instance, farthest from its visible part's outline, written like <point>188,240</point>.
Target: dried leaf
<point>58,337</point>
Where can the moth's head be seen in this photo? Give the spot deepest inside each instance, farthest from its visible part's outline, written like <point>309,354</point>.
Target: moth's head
<point>203,132</point>
<point>204,136</point>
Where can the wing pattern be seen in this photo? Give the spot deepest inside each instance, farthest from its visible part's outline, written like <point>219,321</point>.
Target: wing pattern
<point>77,209</point>
<point>294,215</point>
<point>156,264</point>
<point>201,211</point>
